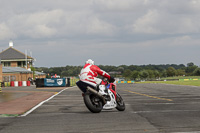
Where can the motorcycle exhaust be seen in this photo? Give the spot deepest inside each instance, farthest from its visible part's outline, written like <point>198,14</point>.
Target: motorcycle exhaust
<point>96,93</point>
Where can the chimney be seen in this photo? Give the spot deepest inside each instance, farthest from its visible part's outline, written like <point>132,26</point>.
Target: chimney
<point>11,44</point>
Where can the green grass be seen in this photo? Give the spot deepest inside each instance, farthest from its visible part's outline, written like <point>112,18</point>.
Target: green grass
<point>183,77</point>
<point>190,82</point>
<point>9,115</point>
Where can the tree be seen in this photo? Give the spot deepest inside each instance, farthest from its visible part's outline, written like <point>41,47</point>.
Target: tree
<point>180,72</point>
<point>190,68</point>
<point>196,72</point>
<point>154,71</point>
<point>171,72</point>
<point>120,69</point>
<point>144,74</point>
<point>164,73</point>
<point>33,70</point>
<point>127,73</point>
<point>190,64</point>
<point>156,74</point>
<point>135,75</point>
<point>151,74</point>
<point>64,74</point>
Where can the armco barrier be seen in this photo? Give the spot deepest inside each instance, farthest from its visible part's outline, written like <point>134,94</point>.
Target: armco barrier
<point>67,82</point>
<point>19,83</point>
<point>16,83</point>
<point>40,82</point>
<point>126,81</point>
<point>12,84</point>
<point>2,84</point>
<point>28,83</point>
<point>24,83</point>
<point>73,81</point>
<point>7,84</point>
<point>188,79</point>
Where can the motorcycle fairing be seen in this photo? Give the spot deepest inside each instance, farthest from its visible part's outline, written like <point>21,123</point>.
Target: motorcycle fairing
<point>112,103</point>
<point>111,91</point>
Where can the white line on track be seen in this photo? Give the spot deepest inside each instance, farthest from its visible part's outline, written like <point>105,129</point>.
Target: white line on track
<point>163,111</point>
<point>31,110</point>
<point>187,132</point>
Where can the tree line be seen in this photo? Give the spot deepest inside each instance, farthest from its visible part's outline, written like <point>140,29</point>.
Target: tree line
<point>131,72</point>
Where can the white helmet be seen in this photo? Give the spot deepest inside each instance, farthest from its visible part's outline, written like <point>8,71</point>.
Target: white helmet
<point>89,61</point>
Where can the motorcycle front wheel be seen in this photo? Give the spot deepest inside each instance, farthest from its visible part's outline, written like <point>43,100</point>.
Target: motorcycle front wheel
<point>93,103</point>
<point>120,103</point>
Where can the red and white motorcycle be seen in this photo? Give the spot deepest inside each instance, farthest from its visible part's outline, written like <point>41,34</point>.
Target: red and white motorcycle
<point>105,98</point>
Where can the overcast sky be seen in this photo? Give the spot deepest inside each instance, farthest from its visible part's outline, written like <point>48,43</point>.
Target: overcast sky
<point>111,32</point>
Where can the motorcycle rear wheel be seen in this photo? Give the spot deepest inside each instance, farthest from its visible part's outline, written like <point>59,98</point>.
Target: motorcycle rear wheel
<point>120,103</point>
<point>93,103</point>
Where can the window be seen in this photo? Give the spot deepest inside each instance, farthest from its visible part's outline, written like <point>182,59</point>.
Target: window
<point>13,78</point>
<point>6,64</point>
<point>24,64</point>
<point>19,64</point>
<point>6,78</point>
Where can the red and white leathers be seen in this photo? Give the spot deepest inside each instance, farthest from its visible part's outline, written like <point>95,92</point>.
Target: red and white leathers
<point>89,74</point>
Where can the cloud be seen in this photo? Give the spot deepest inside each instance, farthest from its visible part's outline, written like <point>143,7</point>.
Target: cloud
<point>5,32</point>
<point>147,23</point>
<point>37,24</point>
<point>136,29</point>
<point>58,22</point>
<point>167,17</point>
<point>96,26</point>
<point>103,17</point>
<point>118,5</point>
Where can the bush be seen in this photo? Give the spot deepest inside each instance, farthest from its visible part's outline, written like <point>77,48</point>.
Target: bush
<point>196,72</point>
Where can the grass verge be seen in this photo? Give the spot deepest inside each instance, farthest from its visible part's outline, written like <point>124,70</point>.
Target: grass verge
<point>9,115</point>
<point>190,83</point>
<point>182,77</point>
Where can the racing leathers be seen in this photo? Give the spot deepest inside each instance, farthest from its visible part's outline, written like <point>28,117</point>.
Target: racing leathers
<point>88,76</point>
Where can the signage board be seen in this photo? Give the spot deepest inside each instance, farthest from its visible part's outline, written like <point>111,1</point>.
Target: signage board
<point>57,82</point>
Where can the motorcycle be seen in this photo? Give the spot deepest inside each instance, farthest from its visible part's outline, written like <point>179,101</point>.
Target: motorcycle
<point>105,97</point>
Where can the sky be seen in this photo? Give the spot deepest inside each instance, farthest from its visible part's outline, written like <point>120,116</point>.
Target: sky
<point>110,32</point>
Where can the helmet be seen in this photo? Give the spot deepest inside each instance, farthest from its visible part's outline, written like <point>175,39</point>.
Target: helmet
<point>89,61</point>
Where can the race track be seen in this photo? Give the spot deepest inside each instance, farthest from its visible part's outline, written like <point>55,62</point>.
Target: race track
<point>150,108</point>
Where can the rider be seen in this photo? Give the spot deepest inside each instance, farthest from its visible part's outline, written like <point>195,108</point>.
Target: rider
<point>88,76</point>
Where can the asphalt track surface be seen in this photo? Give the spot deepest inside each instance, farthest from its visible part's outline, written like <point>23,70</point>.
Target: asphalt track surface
<point>150,108</point>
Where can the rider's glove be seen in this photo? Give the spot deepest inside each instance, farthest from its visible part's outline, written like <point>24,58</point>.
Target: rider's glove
<point>111,80</point>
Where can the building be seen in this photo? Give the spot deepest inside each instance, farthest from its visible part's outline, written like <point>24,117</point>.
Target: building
<point>0,71</point>
<point>16,74</point>
<point>14,58</point>
<point>16,66</point>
